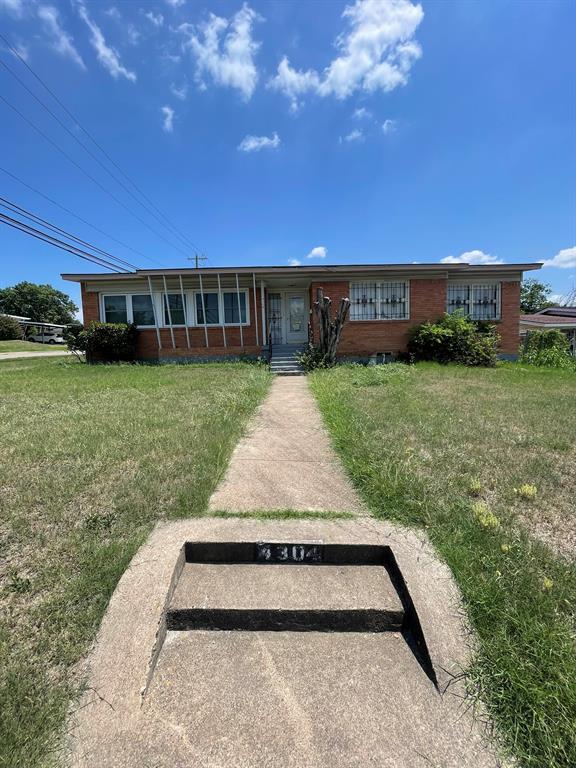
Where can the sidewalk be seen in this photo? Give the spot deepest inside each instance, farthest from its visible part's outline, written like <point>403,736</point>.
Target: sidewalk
<point>25,355</point>
<point>286,460</point>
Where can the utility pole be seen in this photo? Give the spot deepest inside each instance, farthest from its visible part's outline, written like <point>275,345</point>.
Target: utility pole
<point>197,258</point>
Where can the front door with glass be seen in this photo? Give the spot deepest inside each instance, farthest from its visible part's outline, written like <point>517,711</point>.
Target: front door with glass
<point>296,320</point>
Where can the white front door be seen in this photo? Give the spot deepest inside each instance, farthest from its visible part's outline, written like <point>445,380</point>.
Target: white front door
<point>296,318</point>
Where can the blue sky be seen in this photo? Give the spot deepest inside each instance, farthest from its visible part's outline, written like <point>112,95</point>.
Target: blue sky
<point>313,132</point>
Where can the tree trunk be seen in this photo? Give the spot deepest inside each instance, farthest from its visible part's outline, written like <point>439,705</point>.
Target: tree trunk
<point>329,331</point>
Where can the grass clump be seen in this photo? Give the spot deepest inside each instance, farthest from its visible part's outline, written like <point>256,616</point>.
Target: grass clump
<point>93,456</point>
<point>409,447</point>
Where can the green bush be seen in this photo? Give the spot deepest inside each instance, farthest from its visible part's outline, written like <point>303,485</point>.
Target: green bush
<point>104,342</point>
<point>311,358</point>
<point>548,348</point>
<point>455,339</point>
<point>9,328</point>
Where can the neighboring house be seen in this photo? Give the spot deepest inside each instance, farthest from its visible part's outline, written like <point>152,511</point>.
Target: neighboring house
<point>560,318</point>
<point>235,310</point>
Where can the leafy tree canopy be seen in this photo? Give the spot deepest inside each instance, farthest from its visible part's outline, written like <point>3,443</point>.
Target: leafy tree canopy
<point>38,302</point>
<point>534,296</point>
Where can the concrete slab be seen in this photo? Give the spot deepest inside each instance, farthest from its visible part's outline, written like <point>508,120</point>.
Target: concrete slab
<point>219,699</point>
<point>286,460</point>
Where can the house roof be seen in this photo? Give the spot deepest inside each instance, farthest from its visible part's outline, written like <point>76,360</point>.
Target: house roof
<point>558,312</point>
<point>549,321</point>
<point>317,269</point>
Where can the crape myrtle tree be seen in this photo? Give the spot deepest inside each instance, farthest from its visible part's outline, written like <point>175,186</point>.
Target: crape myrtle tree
<point>38,302</point>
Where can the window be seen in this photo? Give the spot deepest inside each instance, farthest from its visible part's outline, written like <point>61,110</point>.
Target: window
<point>142,310</point>
<point>177,314</point>
<point>231,307</point>
<point>115,309</point>
<point>211,306</point>
<point>379,301</point>
<point>479,302</point>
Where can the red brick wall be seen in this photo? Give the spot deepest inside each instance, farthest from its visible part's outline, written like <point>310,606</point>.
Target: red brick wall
<point>509,327</point>
<point>427,302</point>
<point>90,305</point>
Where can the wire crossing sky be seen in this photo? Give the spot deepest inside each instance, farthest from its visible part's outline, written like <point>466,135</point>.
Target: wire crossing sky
<point>290,132</point>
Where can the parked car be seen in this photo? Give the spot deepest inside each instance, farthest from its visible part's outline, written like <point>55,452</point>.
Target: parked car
<point>47,338</point>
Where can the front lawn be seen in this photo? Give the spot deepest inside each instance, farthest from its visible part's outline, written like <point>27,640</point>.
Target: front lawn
<point>29,346</point>
<point>92,457</point>
<point>449,449</point>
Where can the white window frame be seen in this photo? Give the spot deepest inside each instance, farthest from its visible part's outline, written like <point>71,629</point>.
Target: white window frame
<point>470,301</point>
<point>221,315</point>
<point>378,301</point>
<point>129,312</point>
<point>189,307</point>
<point>164,324</point>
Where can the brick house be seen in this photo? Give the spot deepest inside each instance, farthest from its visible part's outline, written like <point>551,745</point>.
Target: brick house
<point>231,311</point>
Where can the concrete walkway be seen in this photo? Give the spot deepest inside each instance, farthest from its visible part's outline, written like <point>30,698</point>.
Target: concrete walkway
<point>286,460</point>
<point>24,355</point>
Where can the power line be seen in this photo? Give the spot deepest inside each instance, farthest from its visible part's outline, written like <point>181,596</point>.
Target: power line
<point>86,173</point>
<point>17,209</point>
<point>97,145</point>
<point>75,215</point>
<point>57,243</point>
<point>84,147</point>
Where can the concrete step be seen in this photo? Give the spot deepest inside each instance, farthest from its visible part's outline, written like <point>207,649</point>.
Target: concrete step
<point>297,598</point>
<point>289,373</point>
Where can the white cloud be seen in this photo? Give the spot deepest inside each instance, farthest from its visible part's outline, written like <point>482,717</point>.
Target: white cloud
<point>388,126</point>
<point>113,13</point>
<point>61,41</point>
<point>377,52</point>
<point>361,114</point>
<point>319,252</point>
<point>154,18</point>
<point>14,7</point>
<point>179,91</point>
<point>294,84</point>
<point>353,136</point>
<point>294,262</point>
<point>168,121</point>
<point>224,49</point>
<point>107,56</point>
<point>472,257</point>
<point>175,3</point>
<point>134,35</point>
<point>256,143</point>
<point>564,259</point>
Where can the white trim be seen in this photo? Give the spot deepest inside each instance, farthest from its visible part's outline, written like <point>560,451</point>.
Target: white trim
<point>190,314</point>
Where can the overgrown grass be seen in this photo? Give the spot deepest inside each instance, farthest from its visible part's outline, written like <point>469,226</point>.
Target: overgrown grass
<point>29,346</point>
<point>92,457</point>
<point>444,448</point>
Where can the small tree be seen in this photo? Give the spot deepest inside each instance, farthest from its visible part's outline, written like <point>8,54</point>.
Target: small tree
<point>9,328</point>
<point>534,296</point>
<point>329,331</point>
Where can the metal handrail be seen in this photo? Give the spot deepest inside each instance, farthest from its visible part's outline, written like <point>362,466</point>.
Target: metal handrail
<point>269,342</point>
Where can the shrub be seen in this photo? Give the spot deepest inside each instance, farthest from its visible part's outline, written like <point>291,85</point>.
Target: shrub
<point>548,348</point>
<point>105,342</point>
<point>455,339</point>
<point>9,328</point>
<point>311,358</point>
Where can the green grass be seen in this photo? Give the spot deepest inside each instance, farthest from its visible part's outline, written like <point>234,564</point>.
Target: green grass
<point>443,448</point>
<point>92,457</point>
<point>29,346</point>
